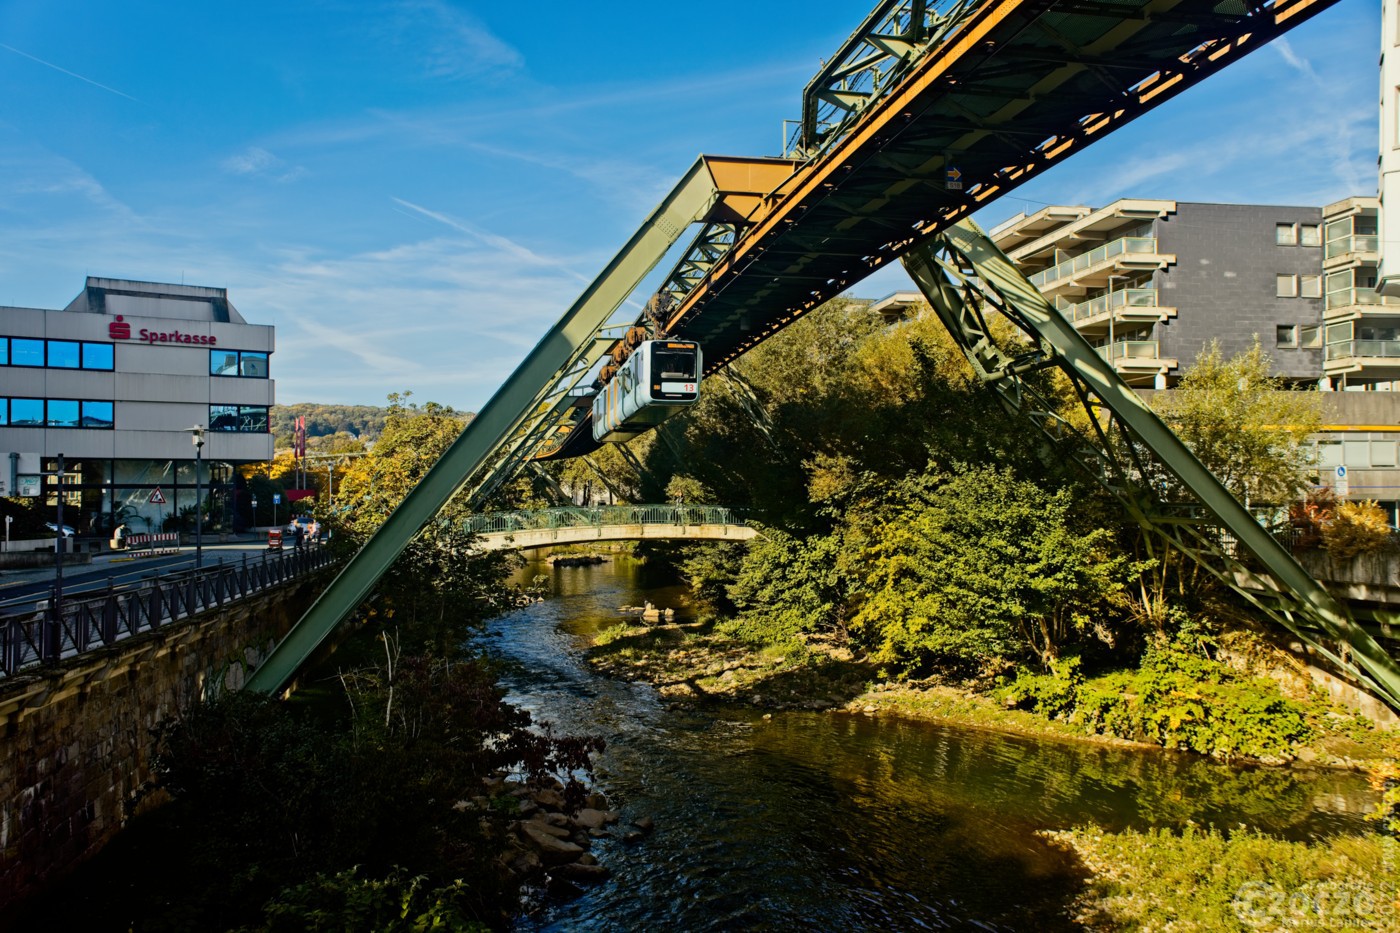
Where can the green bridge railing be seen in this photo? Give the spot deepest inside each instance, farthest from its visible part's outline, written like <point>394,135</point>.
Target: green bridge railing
<point>580,517</point>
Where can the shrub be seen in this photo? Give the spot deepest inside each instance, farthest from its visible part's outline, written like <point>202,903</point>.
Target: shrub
<point>1173,699</point>
<point>1356,528</point>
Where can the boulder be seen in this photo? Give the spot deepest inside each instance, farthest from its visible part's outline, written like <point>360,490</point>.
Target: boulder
<point>590,818</point>
<point>645,823</point>
<point>552,851</point>
<point>584,874</point>
<point>551,799</point>
<point>549,829</point>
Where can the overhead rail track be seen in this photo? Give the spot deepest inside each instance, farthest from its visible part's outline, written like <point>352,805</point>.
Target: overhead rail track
<point>932,110</point>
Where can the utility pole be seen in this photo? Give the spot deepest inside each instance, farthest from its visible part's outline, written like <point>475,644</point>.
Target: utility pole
<point>197,436</point>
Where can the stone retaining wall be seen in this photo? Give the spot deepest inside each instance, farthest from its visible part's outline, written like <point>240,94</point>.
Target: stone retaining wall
<point>76,740</point>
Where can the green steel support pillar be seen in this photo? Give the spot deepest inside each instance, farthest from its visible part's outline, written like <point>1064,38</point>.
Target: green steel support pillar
<point>982,274</point>
<point>519,397</point>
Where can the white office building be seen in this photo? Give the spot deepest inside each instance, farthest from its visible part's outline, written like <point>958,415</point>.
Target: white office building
<point>114,383</point>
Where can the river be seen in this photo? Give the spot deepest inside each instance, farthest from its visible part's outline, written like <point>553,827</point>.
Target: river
<point>826,821</point>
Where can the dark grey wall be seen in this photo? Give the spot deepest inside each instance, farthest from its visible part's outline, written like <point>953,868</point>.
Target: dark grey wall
<point>1222,283</point>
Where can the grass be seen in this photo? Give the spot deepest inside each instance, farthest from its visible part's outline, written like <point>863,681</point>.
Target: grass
<point>1205,880</point>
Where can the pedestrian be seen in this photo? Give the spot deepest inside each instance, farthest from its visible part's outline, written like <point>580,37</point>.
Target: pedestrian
<point>297,535</point>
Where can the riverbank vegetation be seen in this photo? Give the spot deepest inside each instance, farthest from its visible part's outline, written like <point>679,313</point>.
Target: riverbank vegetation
<point>388,793</point>
<point>917,536</point>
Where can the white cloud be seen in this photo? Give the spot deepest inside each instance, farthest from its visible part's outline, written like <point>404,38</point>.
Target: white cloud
<point>454,44</point>
<point>256,161</point>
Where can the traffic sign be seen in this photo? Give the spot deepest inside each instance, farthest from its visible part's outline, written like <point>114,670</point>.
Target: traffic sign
<point>953,178</point>
<point>156,498</point>
<point>276,498</point>
<point>1341,486</point>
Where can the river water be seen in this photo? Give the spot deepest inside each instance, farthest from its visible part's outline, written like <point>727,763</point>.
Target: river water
<point>835,821</point>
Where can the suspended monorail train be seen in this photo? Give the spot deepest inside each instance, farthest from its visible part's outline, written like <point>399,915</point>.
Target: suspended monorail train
<point>658,378</point>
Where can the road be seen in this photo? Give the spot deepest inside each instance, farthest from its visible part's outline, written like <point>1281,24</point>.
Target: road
<point>116,568</point>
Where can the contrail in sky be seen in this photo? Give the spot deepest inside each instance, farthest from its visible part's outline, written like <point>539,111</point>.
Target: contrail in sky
<point>71,74</point>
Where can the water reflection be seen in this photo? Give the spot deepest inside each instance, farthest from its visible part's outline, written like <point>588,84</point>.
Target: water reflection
<point>836,821</point>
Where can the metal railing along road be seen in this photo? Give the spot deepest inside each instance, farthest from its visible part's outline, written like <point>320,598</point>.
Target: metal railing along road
<point>52,630</point>
<point>582,517</point>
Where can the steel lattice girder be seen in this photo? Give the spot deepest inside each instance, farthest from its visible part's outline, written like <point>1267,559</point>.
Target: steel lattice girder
<point>962,273</point>
<point>880,186</point>
<point>493,439</point>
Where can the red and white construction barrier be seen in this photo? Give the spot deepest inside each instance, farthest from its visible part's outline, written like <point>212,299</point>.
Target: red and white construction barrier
<point>154,545</point>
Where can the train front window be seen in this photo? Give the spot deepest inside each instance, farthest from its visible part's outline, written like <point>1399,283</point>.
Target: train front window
<point>673,364</point>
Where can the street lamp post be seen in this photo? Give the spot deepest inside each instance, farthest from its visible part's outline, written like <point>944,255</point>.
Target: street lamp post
<point>197,436</point>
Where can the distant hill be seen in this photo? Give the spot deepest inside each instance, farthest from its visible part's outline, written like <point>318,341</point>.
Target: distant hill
<point>365,422</point>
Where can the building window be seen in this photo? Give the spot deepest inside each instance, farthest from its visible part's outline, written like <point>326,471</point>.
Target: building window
<point>56,413</point>
<point>250,363</point>
<point>98,356</point>
<point>1286,234</point>
<point>62,413</point>
<point>64,354</point>
<point>55,354</point>
<point>1310,235</point>
<point>1310,337</point>
<point>1286,286</point>
<point>97,415</point>
<point>26,352</point>
<point>1382,453</point>
<point>27,411</point>
<point>245,419</point>
<point>1287,335</point>
<point>1329,453</point>
<point>1310,286</point>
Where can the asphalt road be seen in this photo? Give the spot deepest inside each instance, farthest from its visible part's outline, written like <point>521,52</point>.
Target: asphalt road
<point>116,568</point>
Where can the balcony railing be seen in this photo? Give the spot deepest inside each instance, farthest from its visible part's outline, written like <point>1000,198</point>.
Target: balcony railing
<point>1129,350</point>
<point>1127,298</point>
<point>1349,297</point>
<point>1371,349</point>
<point>1122,246</point>
<point>1358,243</point>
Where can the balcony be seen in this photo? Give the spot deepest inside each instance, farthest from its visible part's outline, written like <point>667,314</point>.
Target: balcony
<point>1350,303</point>
<point>1132,305</point>
<point>1351,250</point>
<point>1358,355</point>
<point>1137,361</point>
<point>1094,268</point>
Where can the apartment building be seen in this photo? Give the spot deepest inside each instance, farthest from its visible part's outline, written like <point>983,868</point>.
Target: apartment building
<point>1150,283</point>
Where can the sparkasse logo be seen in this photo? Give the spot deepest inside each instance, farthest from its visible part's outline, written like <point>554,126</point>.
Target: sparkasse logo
<point>119,329</point>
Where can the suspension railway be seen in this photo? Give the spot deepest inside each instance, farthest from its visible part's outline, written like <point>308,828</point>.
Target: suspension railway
<point>928,112</point>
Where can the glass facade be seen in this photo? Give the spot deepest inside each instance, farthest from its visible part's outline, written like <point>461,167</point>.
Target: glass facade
<point>248,363</point>
<point>244,419</point>
<point>56,413</point>
<point>56,354</point>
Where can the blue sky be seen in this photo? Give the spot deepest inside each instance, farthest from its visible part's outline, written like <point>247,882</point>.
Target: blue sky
<point>413,192</point>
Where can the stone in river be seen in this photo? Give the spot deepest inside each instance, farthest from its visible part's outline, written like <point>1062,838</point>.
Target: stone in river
<point>584,874</point>
<point>552,850</point>
<point>645,823</point>
<point>558,832</point>
<point>590,818</point>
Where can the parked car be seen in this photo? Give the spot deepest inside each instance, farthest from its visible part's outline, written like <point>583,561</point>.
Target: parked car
<point>67,531</point>
<point>310,528</point>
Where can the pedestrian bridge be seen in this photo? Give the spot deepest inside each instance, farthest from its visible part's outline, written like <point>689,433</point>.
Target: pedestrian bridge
<point>556,527</point>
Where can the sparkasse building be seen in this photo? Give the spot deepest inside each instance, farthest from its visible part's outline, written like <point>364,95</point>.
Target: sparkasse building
<point>115,382</point>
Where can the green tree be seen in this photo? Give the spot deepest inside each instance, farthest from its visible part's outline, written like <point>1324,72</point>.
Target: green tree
<point>979,567</point>
<point>1244,424</point>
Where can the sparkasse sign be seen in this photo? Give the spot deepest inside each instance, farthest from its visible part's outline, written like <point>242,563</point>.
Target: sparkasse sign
<point>119,329</point>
